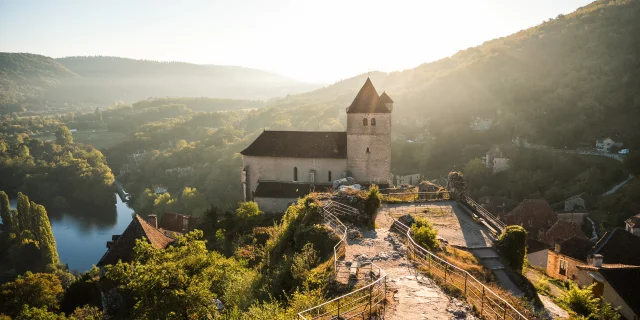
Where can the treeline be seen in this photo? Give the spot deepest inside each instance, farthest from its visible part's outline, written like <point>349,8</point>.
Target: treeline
<point>57,173</point>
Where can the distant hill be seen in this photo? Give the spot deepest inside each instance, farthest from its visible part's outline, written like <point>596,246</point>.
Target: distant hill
<point>25,76</point>
<point>562,83</point>
<point>103,80</point>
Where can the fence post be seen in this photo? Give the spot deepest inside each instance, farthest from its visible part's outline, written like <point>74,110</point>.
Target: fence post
<point>505,311</point>
<point>482,303</point>
<point>465,284</point>
<point>370,300</point>
<point>338,308</point>
<point>446,267</point>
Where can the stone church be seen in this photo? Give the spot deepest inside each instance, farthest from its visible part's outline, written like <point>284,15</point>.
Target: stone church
<point>281,166</point>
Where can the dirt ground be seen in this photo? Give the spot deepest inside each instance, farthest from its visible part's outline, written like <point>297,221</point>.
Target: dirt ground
<point>452,223</point>
<point>415,297</point>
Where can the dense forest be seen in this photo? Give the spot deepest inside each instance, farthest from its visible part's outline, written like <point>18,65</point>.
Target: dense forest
<point>38,83</point>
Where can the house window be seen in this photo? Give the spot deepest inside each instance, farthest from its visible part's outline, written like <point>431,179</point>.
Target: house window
<point>373,121</point>
<point>531,223</point>
<point>368,150</point>
<point>563,268</point>
<point>365,122</point>
<point>329,175</point>
<point>295,173</point>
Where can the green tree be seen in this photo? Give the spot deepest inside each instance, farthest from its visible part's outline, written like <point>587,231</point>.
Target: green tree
<point>44,235</point>
<point>37,290</point>
<point>580,300</point>
<point>424,234</point>
<point>181,281</point>
<point>24,212</point>
<point>247,210</point>
<point>64,136</point>
<point>475,169</point>
<point>5,212</point>
<point>512,244</point>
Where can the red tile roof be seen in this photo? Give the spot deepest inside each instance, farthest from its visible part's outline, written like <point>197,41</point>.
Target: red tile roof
<point>122,248</point>
<point>563,230</point>
<point>576,247</point>
<point>533,215</point>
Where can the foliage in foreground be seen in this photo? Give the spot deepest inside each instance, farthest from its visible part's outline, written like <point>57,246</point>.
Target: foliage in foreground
<point>585,306</point>
<point>512,244</point>
<point>425,234</point>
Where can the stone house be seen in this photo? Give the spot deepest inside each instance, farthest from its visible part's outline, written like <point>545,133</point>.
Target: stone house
<point>607,144</point>
<point>410,179</point>
<point>632,224</point>
<point>290,164</point>
<point>614,283</point>
<point>560,231</point>
<point>616,247</point>
<point>495,160</point>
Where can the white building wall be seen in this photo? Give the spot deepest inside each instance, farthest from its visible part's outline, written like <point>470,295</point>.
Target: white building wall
<point>281,169</point>
<point>538,259</point>
<point>612,297</point>
<point>375,165</point>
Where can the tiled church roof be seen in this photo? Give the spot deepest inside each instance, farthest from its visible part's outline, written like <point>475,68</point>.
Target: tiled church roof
<point>368,101</point>
<point>299,144</point>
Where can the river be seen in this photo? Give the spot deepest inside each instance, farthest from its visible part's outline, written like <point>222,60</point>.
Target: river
<point>82,239</point>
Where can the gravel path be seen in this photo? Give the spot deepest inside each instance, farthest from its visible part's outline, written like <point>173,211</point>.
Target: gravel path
<point>416,296</point>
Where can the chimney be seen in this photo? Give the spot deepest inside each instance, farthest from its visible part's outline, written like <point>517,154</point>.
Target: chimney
<point>185,224</point>
<point>596,260</point>
<point>153,220</point>
<point>556,249</point>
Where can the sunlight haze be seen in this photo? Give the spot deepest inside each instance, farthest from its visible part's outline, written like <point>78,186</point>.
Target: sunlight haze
<point>315,41</point>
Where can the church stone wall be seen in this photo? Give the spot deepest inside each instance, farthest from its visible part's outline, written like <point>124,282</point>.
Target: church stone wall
<point>281,169</point>
<point>373,166</point>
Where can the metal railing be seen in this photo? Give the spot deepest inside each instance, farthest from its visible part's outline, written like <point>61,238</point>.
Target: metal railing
<point>417,196</point>
<point>367,301</point>
<point>484,213</point>
<point>487,303</point>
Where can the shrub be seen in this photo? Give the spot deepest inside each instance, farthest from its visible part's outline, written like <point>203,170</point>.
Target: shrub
<point>373,200</point>
<point>512,244</point>
<point>580,301</point>
<point>423,232</point>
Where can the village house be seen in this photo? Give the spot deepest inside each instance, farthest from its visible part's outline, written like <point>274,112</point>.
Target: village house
<point>616,247</point>
<point>537,253</point>
<point>614,283</point>
<point>281,166</point>
<point>495,160</point>
<point>575,203</point>
<point>607,144</point>
<point>632,224</point>
<point>534,215</point>
<point>410,179</point>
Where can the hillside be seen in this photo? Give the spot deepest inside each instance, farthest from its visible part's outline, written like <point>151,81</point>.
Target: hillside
<point>24,76</point>
<point>103,80</point>
<point>562,83</point>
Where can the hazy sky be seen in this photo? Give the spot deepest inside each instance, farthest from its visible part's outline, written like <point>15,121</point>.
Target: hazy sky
<point>319,40</point>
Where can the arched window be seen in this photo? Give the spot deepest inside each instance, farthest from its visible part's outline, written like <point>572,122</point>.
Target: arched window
<point>368,150</point>
<point>365,122</point>
<point>373,121</point>
<point>295,173</point>
<point>329,175</point>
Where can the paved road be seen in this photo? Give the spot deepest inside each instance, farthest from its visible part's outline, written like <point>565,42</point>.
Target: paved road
<point>618,186</point>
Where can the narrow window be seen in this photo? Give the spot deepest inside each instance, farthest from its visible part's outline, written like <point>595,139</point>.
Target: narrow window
<point>329,175</point>
<point>367,149</point>
<point>373,121</point>
<point>365,122</point>
<point>295,173</point>
<point>563,267</point>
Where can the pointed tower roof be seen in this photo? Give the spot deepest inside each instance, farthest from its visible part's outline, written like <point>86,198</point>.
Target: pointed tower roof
<point>384,98</point>
<point>366,100</point>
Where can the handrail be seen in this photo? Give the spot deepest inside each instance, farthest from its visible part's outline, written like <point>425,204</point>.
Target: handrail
<point>381,277</point>
<point>467,276</point>
<point>485,213</point>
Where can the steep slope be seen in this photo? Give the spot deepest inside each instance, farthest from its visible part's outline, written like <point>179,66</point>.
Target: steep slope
<point>24,76</point>
<point>561,83</point>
